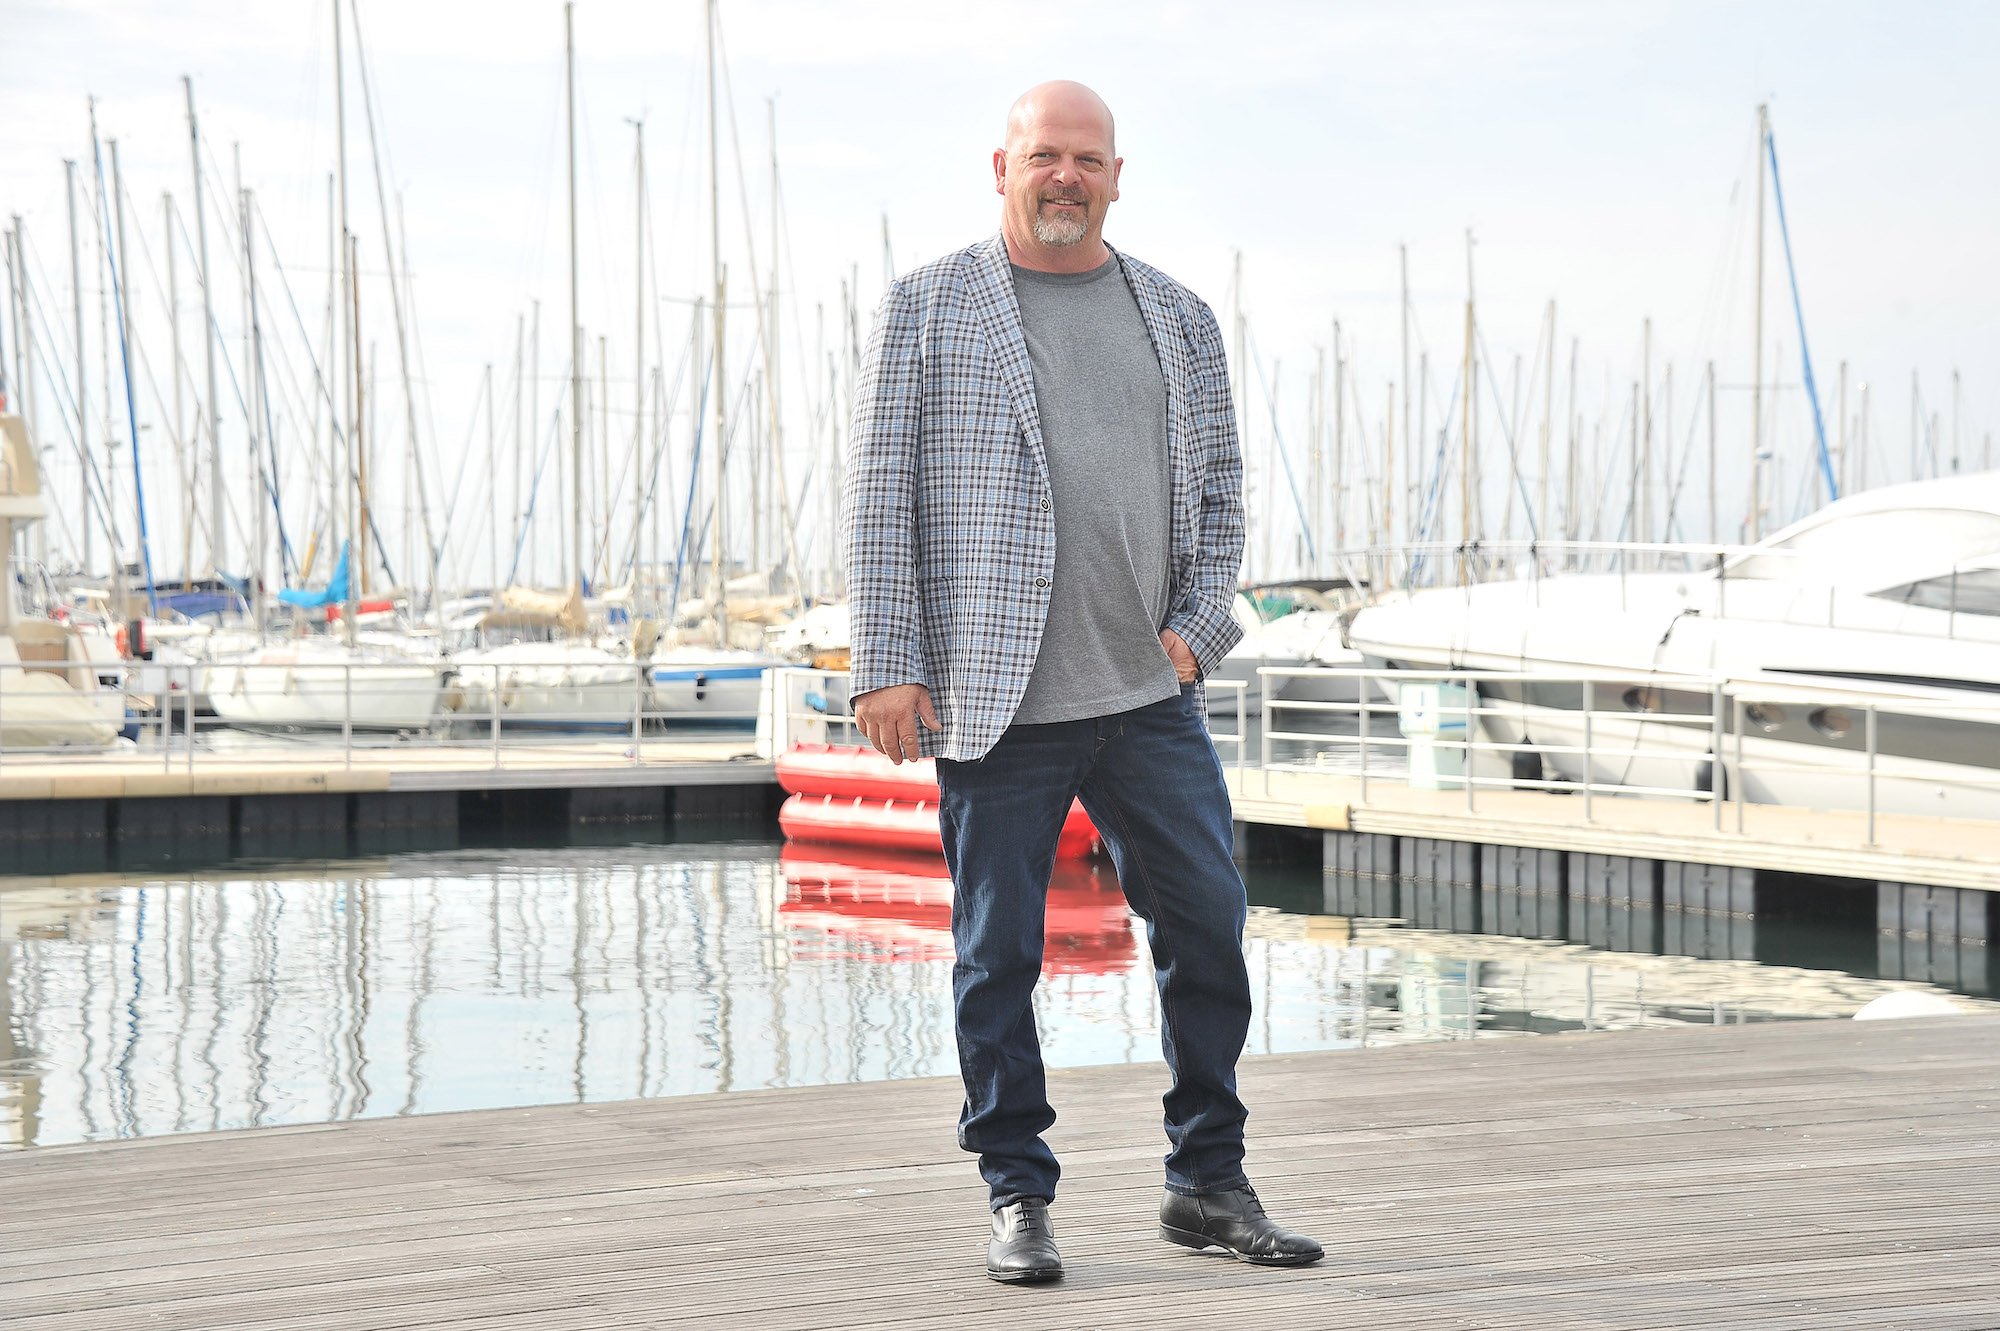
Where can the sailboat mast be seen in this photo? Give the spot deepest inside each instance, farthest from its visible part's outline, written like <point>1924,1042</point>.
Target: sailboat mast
<point>1713,534</point>
<point>125,340</point>
<point>1409,440</point>
<point>1542,526</point>
<point>575,330</point>
<point>640,435</point>
<point>254,571</point>
<point>82,390</point>
<point>1468,405</point>
<point>1642,424</point>
<point>217,548</point>
<point>338,504</point>
<point>1757,353</point>
<point>718,385</point>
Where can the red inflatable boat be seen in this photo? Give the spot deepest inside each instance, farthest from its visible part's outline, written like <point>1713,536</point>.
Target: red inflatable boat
<point>847,795</point>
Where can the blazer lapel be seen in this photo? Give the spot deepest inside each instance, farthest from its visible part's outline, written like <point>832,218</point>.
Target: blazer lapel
<point>1170,346</point>
<point>991,286</point>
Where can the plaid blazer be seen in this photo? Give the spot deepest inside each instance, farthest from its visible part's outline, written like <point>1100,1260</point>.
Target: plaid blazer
<point>946,525</point>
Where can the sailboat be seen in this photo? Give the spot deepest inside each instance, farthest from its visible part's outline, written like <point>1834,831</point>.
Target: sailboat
<point>325,682</point>
<point>51,690</point>
<point>534,667</point>
<point>533,663</point>
<point>328,681</point>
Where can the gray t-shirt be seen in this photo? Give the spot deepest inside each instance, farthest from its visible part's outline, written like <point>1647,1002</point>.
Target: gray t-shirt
<point>1103,408</point>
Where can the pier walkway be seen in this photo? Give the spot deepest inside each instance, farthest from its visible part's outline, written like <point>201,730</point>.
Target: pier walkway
<point>1805,1175</point>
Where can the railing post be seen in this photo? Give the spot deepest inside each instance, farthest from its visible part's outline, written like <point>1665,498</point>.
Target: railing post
<point>1470,694</point>
<point>164,714</point>
<point>1361,693</point>
<point>1589,705</point>
<point>493,708</point>
<point>187,691</point>
<point>1242,731</point>
<point>1869,723</point>
<point>347,713</point>
<point>639,708</point>
<point>1736,793</point>
<point>1716,778</point>
<point>1263,722</point>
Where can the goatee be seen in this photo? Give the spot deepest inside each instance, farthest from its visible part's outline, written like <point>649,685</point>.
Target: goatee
<point>1060,230</point>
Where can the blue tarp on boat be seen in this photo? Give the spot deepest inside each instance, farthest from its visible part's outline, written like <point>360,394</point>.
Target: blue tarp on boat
<point>334,592</point>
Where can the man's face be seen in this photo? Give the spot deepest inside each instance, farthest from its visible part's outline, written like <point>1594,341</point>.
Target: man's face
<point>1057,173</point>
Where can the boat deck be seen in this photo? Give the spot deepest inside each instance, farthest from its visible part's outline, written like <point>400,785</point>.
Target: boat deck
<point>1803,1175</point>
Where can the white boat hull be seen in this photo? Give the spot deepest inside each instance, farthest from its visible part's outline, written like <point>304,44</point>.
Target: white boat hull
<point>290,689</point>
<point>709,688</point>
<point>548,687</point>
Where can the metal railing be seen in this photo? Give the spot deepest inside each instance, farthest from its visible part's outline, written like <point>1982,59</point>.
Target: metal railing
<point>325,714</point>
<point>810,706</point>
<point>1742,750</point>
<point>1725,743</point>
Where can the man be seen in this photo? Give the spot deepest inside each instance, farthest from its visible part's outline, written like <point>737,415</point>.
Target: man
<point>1043,523</point>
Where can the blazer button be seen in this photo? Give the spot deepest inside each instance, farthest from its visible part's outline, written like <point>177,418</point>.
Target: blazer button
<point>1041,582</point>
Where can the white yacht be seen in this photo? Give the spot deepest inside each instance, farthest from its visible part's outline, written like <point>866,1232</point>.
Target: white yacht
<point>1294,625</point>
<point>1886,601</point>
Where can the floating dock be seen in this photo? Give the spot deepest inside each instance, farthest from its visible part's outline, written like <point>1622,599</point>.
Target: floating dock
<point>93,813</point>
<point>1636,874</point>
<point>1799,1176</point>
<point>1614,871</point>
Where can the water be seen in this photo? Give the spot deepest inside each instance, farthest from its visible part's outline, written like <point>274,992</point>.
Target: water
<point>263,994</point>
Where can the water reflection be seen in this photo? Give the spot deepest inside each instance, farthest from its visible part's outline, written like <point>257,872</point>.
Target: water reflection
<point>135,1006</point>
<point>887,906</point>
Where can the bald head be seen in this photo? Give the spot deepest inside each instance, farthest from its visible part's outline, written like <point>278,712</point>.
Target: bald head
<point>1059,101</point>
<point>1058,174</point>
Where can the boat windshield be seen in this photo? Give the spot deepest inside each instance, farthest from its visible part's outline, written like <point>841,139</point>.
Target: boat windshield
<point>1872,549</point>
<point>1964,591</point>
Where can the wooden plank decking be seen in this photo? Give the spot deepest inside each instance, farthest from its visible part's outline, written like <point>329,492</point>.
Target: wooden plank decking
<point>1832,1174</point>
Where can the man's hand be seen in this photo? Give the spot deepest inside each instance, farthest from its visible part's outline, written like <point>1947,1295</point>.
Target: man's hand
<point>888,718</point>
<point>1177,651</point>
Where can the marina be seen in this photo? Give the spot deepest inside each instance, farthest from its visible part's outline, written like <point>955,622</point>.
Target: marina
<point>443,882</point>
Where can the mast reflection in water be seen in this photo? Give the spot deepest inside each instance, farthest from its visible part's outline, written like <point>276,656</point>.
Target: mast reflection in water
<point>138,1006</point>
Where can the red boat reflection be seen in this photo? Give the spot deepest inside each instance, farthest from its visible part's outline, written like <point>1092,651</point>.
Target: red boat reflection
<point>884,905</point>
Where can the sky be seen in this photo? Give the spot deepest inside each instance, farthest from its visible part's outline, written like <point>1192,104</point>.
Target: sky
<point>1598,156</point>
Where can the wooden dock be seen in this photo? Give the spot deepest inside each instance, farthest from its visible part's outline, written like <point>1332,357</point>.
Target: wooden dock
<point>1807,1175</point>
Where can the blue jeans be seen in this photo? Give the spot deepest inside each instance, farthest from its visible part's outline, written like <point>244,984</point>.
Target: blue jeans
<point>1153,786</point>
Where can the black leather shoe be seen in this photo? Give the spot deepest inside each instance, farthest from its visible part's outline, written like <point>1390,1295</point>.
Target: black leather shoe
<point>1235,1222</point>
<point>1023,1251</point>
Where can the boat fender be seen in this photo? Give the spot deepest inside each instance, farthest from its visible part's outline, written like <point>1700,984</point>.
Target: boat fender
<point>132,642</point>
